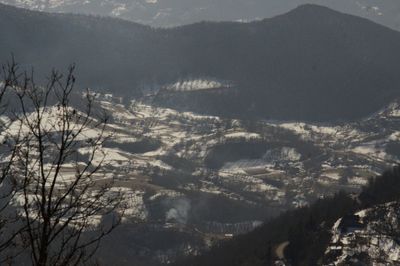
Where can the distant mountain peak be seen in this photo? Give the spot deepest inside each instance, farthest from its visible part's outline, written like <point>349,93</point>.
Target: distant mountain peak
<point>308,10</point>
<point>311,7</point>
<point>168,13</point>
<point>312,63</point>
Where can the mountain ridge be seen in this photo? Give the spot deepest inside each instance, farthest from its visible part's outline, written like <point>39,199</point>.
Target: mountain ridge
<point>316,62</point>
<point>169,13</point>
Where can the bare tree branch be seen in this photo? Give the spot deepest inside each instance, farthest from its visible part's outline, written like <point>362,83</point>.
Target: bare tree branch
<point>59,195</point>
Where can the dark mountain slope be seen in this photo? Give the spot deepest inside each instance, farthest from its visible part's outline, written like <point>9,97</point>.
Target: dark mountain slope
<point>307,229</point>
<point>312,63</point>
<point>179,12</point>
<point>304,64</point>
<point>103,48</point>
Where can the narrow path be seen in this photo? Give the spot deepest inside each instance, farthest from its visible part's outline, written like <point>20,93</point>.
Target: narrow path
<point>280,250</point>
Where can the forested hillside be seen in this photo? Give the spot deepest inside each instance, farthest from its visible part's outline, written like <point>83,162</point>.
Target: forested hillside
<point>312,63</point>
<point>308,230</point>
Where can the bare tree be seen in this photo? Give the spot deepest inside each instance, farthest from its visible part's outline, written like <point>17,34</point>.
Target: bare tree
<point>62,193</point>
<point>9,226</point>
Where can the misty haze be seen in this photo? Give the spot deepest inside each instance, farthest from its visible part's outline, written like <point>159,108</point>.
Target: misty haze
<point>199,132</point>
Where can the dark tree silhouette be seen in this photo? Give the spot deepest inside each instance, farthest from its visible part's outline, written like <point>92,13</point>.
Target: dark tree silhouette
<point>61,201</point>
<point>9,226</point>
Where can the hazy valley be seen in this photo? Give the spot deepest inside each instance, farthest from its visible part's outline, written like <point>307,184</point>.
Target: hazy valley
<point>174,166</point>
<point>261,137</point>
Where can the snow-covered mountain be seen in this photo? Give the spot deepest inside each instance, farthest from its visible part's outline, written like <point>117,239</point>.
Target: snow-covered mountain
<point>179,12</point>
<point>369,237</point>
<point>249,171</point>
<point>173,166</point>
